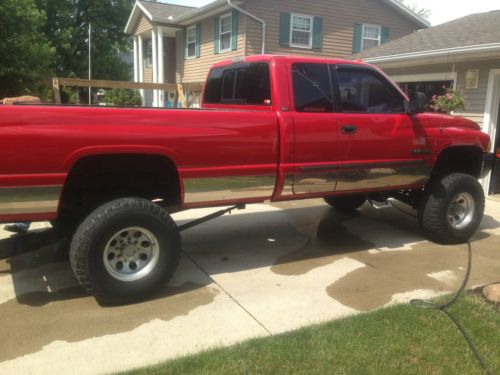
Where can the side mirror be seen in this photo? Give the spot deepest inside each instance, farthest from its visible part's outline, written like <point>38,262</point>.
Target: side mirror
<point>418,103</point>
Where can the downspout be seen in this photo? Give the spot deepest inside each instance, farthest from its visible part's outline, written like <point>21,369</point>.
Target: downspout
<point>254,18</point>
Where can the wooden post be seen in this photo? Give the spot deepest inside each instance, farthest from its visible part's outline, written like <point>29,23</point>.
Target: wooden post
<point>176,99</point>
<point>182,97</point>
<point>57,92</point>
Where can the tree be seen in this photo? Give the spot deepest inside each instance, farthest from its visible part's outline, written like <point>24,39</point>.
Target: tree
<point>26,53</point>
<point>67,28</point>
<point>422,12</point>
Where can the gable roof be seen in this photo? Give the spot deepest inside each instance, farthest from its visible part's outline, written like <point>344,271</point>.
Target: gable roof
<point>156,12</point>
<point>177,14</point>
<point>475,32</point>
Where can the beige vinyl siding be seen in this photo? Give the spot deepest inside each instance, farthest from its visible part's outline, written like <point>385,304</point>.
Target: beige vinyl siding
<point>148,74</point>
<point>143,25</point>
<point>339,17</point>
<point>196,70</point>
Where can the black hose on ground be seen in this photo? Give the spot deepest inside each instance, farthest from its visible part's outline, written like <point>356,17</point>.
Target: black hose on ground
<point>443,307</point>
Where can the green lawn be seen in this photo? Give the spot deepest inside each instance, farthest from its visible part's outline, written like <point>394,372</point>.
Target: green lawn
<point>397,340</point>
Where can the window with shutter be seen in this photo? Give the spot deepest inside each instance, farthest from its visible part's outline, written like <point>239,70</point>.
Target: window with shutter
<point>191,42</point>
<point>301,32</point>
<point>225,32</point>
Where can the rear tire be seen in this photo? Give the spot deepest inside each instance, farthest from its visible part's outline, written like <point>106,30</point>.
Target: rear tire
<point>125,250</point>
<point>346,204</point>
<point>452,208</point>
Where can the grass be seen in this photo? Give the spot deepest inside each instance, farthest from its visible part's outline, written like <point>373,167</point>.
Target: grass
<point>398,340</point>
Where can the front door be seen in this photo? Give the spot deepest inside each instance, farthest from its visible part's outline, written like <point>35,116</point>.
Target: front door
<point>315,129</point>
<point>381,146</point>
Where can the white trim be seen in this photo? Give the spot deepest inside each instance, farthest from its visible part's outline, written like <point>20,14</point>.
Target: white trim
<point>161,67</point>
<point>311,18</point>
<point>141,65</point>
<point>136,58</point>
<point>195,41</point>
<point>145,11</point>
<point>491,115</point>
<point>133,16</point>
<point>442,76</point>
<point>435,52</point>
<point>230,16</point>
<point>398,5</point>
<point>379,27</point>
<point>154,43</point>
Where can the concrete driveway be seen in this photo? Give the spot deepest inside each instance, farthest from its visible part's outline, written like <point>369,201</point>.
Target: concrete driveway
<point>262,271</point>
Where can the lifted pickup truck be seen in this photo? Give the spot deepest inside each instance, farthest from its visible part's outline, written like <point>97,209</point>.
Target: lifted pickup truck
<point>271,128</point>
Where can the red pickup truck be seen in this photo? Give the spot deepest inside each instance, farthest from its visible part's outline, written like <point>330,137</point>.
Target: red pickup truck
<point>271,128</point>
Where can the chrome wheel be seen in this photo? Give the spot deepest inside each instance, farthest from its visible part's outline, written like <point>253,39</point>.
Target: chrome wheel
<point>131,254</point>
<point>461,211</point>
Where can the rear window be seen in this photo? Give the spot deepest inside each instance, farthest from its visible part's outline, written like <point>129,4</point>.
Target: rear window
<point>239,84</point>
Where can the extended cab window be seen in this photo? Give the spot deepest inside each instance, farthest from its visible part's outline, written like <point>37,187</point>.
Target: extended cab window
<point>312,88</point>
<point>239,84</point>
<point>365,91</point>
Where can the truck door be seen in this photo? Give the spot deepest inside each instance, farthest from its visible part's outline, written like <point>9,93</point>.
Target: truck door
<point>380,144</point>
<point>315,125</point>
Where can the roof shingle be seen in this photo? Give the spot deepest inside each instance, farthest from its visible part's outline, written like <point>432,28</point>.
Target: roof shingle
<point>475,29</point>
<point>165,12</point>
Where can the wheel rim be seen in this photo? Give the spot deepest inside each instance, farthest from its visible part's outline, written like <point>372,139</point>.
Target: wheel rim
<point>131,254</point>
<point>461,210</point>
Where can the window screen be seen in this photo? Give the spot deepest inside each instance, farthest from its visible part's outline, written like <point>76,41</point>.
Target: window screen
<point>312,89</point>
<point>366,91</point>
<point>248,84</point>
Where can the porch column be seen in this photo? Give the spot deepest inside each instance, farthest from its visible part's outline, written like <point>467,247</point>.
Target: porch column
<point>161,68</point>
<point>154,43</point>
<point>141,65</point>
<point>136,63</point>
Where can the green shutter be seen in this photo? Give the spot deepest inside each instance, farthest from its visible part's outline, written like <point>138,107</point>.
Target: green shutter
<point>216,35</point>
<point>384,38</point>
<point>234,31</point>
<point>357,38</point>
<point>318,32</point>
<point>185,43</point>
<point>198,40</point>
<point>285,29</point>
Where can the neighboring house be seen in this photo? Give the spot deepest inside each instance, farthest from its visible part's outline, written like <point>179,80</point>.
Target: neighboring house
<point>178,44</point>
<point>464,54</point>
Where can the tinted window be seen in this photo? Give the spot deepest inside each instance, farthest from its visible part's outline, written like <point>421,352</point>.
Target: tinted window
<point>366,91</point>
<point>312,89</point>
<point>228,84</point>
<point>241,84</point>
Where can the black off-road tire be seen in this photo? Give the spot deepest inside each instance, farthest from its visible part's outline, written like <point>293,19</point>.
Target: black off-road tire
<point>92,238</point>
<point>346,204</point>
<point>433,213</point>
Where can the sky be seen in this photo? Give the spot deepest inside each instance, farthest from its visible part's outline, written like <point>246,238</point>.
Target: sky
<point>441,10</point>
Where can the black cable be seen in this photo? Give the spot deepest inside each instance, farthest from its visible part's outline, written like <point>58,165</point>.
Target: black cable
<point>443,307</point>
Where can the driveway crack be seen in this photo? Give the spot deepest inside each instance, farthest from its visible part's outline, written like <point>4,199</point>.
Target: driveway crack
<point>228,294</point>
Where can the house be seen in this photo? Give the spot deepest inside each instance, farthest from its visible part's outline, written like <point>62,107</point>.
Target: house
<point>463,54</point>
<point>178,44</point>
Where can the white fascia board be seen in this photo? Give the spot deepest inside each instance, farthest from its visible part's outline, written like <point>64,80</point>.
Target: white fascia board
<point>138,7</point>
<point>436,52</point>
<point>396,4</point>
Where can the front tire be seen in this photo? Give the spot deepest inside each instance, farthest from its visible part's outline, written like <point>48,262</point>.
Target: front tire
<point>125,250</point>
<point>452,208</point>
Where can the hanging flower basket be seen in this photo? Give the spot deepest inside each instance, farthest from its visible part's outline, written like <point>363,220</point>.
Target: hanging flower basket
<point>449,102</point>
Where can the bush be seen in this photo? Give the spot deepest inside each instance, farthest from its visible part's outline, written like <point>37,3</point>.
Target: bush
<point>123,97</point>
